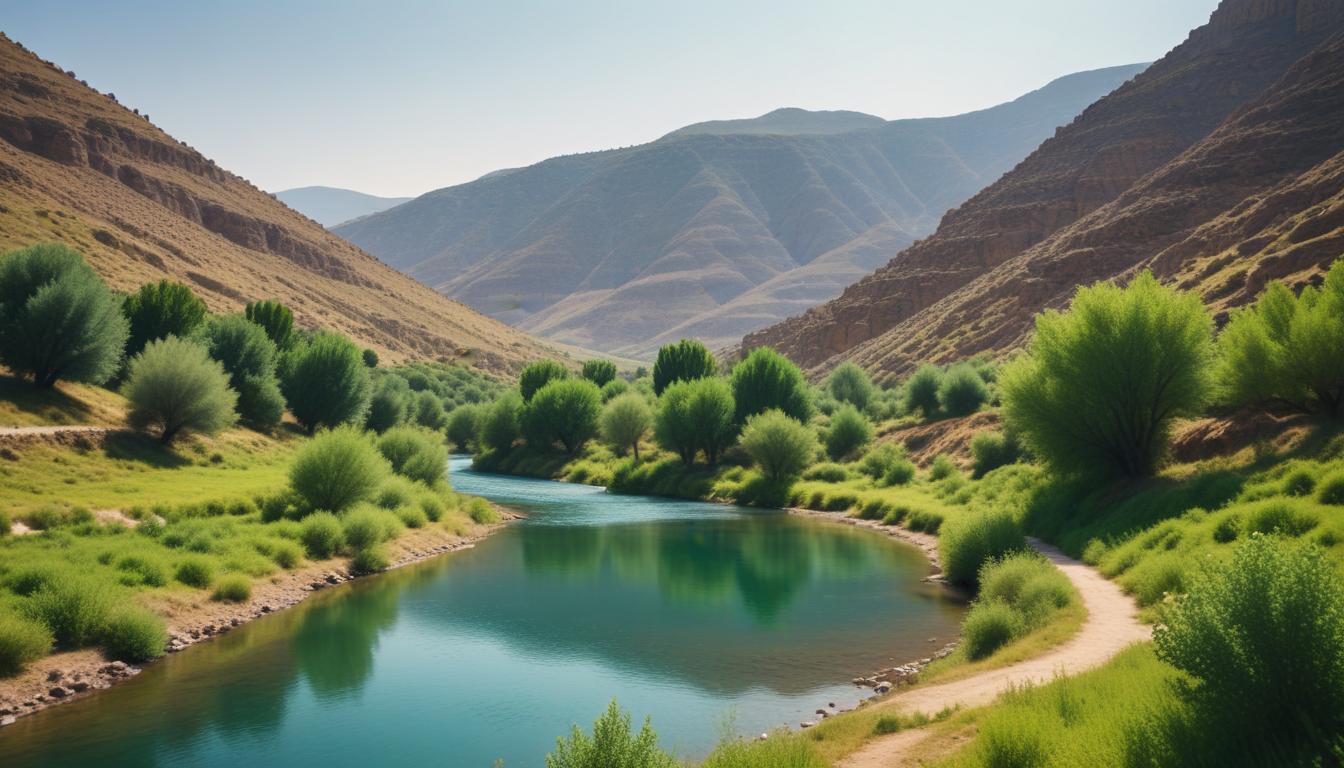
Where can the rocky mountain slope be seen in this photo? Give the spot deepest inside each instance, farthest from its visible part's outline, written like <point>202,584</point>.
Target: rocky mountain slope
<point>715,229</point>
<point>77,167</point>
<point>1219,167</point>
<point>330,206</point>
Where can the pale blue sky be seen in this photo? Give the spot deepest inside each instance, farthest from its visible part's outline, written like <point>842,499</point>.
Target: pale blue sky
<point>398,97</point>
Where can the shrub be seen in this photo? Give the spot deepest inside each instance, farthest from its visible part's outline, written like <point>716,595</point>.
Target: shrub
<point>195,572</point>
<point>363,528</point>
<point>286,554</point>
<point>1281,517</point>
<point>1227,530</point>
<point>389,403</point>
<point>464,423</point>
<point>991,450</point>
<point>274,318</point>
<point>624,422</point>
<point>849,431</point>
<point>480,511</point>
<point>969,541</point>
<point>779,444</point>
<point>134,635</point>
<point>778,751</point>
<point>599,372</point>
<point>900,472</point>
<point>249,357</point>
<point>826,472</point>
<point>21,641</point>
<point>962,391</point>
<point>848,383</point>
<point>1299,482</point>
<point>371,559</point>
<point>766,380</point>
<point>614,389</point>
<point>73,607</point>
<point>412,517</point>
<point>537,375</point>
<point>1331,490</point>
<point>321,535</point>
<point>233,588</point>
<point>694,416</point>
<point>921,390</point>
<point>880,458</point>
<point>1029,584</point>
<point>941,467</point>
<point>564,411</point>
<point>612,745</point>
<point>989,626</point>
<point>426,409</point>
<point>159,310</point>
<point>337,469</point>
<point>685,360</point>
<point>414,453</point>
<point>500,426</point>
<point>143,570</point>
<point>4,524</point>
<point>174,388</point>
<point>325,382</point>
<point>1263,636</point>
<point>1100,385</point>
<point>396,491</point>
<point>370,358</point>
<point>57,319</point>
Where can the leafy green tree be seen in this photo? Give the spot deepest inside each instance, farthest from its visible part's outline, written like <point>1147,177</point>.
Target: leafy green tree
<point>962,391</point>
<point>57,319</point>
<point>174,387</point>
<point>685,360</point>
<point>337,469</point>
<point>564,411</point>
<point>275,318</point>
<point>599,371</point>
<point>1100,384</point>
<point>370,358</point>
<point>624,422</point>
<point>415,453</point>
<point>502,422</point>
<point>921,390</point>
<point>780,445</point>
<point>849,432</point>
<point>849,383</point>
<point>389,403</point>
<point>695,416</point>
<point>766,380</point>
<point>325,382</point>
<point>427,411</point>
<point>612,745</point>
<point>249,357</point>
<point>159,310</point>
<point>537,375</point>
<point>464,423</point>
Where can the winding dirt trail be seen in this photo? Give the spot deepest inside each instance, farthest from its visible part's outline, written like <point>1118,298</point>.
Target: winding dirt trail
<point>1111,626</point>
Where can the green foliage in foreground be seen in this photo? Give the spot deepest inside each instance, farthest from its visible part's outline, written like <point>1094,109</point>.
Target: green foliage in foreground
<point>337,469</point>
<point>611,745</point>
<point>968,542</point>
<point>159,310</point>
<point>22,641</point>
<point>415,453</point>
<point>766,380</point>
<point>849,432</point>
<point>174,388</point>
<point>625,420</point>
<point>1018,594</point>
<point>696,416</point>
<point>781,446</point>
<point>685,360</point>
<point>564,411</point>
<point>778,751</point>
<point>325,381</point>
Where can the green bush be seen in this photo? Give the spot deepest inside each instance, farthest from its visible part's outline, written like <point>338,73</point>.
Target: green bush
<point>73,607</point>
<point>880,458</point>
<point>961,390</point>
<point>1029,584</point>
<point>134,635</point>
<point>501,424</point>
<point>778,751</point>
<point>274,318</point>
<point>989,626</point>
<point>396,491</point>
<point>174,388</point>
<point>612,745</point>
<point>57,319</point>
<point>779,444</point>
<point>921,390</point>
<point>321,535</point>
<point>22,641</point>
<point>1299,482</point>
<point>4,524</point>
<point>599,372</point>
<point>249,357</point>
<point>564,411</point>
<point>480,511</point>
<point>537,375</point>
<point>766,380</point>
<point>415,453</point>
<point>624,422</point>
<point>685,360</point>
<point>371,559</point>
<point>969,541</point>
<point>337,469</point>
<point>464,423</point>
<point>363,528</point>
<point>849,432</point>
<point>614,389</point>
<point>427,411</point>
<point>195,572</point>
<point>286,554</point>
<point>848,383</point>
<point>412,517</point>
<point>233,588</point>
<point>143,570</point>
<point>900,472</point>
<point>370,358</point>
<point>1331,490</point>
<point>942,467</point>
<point>1281,517</point>
<point>695,416</point>
<point>159,310</point>
<point>991,450</point>
<point>325,382</point>
<point>1100,385</point>
<point>826,472</point>
<point>389,403</point>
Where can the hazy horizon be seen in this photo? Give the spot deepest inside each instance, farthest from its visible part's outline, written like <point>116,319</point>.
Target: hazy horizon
<point>401,98</point>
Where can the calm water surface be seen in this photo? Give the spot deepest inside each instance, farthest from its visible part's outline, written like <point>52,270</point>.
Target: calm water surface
<point>704,616</point>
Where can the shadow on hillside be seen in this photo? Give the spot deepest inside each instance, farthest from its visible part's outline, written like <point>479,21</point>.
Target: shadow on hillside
<point>51,405</point>
<point>131,446</point>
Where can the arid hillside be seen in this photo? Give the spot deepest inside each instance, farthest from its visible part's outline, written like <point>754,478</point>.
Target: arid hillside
<point>77,167</point>
<point>1219,167</point>
<point>715,229</point>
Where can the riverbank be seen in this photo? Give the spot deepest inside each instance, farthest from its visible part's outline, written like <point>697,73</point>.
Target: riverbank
<point>73,675</point>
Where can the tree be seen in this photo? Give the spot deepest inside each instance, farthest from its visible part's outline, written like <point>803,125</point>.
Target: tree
<point>57,319</point>
<point>370,358</point>
<point>501,424</point>
<point>1100,384</point>
<point>249,357</point>
<point>849,383</point>
<point>611,746</point>
<point>275,318</point>
<point>599,371</point>
<point>389,403</point>
<point>564,411</point>
<point>695,416</point>
<point>766,379</point>
<point>624,422</point>
<point>427,411</point>
<point>174,387</point>
<point>325,382</point>
<point>415,453</point>
<point>962,391</point>
<point>537,375</point>
<point>159,310</point>
<point>780,445</point>
<point>463,425</point>
<point>337,469</point>
<point>849,431</point>
<point>921,390</point>
<point>684,360</point>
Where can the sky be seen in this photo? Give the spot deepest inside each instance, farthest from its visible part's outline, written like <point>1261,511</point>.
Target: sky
<point>398,97</point>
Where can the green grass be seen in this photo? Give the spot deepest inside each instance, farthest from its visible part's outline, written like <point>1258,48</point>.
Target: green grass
<point>68,403</point>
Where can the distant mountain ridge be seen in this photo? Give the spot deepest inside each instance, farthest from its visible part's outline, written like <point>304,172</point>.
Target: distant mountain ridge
<point>330,206</point>
<point>714,230</point>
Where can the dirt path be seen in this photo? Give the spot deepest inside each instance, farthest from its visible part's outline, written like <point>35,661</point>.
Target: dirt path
<point>1111,626</point>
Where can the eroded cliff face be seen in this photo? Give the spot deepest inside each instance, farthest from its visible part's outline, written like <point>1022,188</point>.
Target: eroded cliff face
<point>78,167</point>
<point>1088,192</point>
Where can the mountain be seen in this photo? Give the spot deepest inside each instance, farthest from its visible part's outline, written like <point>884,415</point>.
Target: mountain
<point>330,206</point>
<point>77,167</point>
<point>1219,167</point>
<point>714,230</point>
